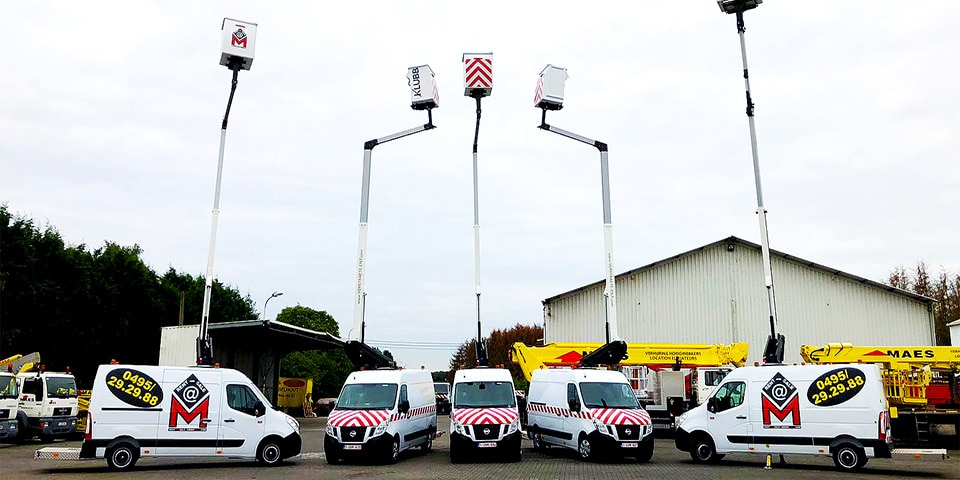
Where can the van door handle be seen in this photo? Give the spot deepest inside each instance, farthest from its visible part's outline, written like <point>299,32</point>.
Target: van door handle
<point>739,417</point>
<point>230,420</point>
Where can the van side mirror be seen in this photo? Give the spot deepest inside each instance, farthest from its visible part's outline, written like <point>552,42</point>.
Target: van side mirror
<point>404,406</point>
<point>574,405</point>
<point>712,404</point>
<point>259,409</point>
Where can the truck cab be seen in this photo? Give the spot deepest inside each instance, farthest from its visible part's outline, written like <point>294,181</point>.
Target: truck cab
<point>47,405</point>
<point>484,415</point>
<point>8,406</point>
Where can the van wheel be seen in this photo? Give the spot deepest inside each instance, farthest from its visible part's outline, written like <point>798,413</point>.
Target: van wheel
<point>849,458</point>
<point>538,444</point>
<point>585,448</point>
<point>704,451</point>
<point>427,445</point>
<point>395,450</point>
<point>645,452</point>
<point>121,457</point>
<point>269,452</point>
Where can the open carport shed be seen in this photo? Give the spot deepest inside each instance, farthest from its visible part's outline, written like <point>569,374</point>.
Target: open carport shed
<point>254,347</point>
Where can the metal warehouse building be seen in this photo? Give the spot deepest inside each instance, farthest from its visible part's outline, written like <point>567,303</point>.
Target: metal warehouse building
<point>715,294</point>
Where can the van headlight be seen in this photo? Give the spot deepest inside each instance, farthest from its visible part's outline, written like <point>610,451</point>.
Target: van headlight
<point>331,430</point>
<point>458,427</point>
<point>681,418</point>
<point>294,424</point>
<point>513,426</point>
<point>381,429</point>
<point>601,427</point>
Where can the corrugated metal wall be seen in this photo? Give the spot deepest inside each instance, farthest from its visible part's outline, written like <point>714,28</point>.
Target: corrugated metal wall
<point>716,295</point>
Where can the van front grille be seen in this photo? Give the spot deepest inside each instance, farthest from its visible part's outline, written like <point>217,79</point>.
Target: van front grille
<point>352,434</point>
<point>486,432</point>
<point>629,432</point>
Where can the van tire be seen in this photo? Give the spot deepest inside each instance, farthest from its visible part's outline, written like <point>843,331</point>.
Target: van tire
<point>703,450</point>
<point>394,453</point>
<point>645,453</point>
<point>538,443</point>
<point>269,452</point>
<point>122,457</point>
<point>585,448</point>
<point>455,455</point>
<point>849,457</point>
<point>427,446</point>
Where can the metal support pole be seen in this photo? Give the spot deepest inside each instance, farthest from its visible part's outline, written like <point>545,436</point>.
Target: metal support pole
<point>770,355</point>
<point>204,343</point>
<point>480,349</point>
<point>360,294</point>
<point>610,290</point>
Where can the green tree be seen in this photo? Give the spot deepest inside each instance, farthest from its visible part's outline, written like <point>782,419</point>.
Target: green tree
<point>942,287</point>
<point>499,344</point>
<point>82,308</point>
<point>328,368</point>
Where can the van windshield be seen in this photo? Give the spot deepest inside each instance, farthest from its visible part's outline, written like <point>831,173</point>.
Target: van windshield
<point>608,395</point>
<point>61,387</point>
<point>441,388</point>
<point>8,386</point>
<point>484,395</point>
<point>368,396</point>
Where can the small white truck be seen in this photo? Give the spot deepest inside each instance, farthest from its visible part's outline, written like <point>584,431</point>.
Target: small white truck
<point>47,405</point>
<point>8,406</point>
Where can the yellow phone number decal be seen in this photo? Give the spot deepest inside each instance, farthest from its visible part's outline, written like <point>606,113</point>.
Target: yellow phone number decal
<point>836,386</point>
<point>134,387</point>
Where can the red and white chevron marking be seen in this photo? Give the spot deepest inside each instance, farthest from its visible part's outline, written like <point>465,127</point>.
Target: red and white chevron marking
<point>563,412</point>
<point>538,93</point>
<point>357,418</point>
<point>415,412</point>
<point>485,416</point>
<point>617,416</point>
<point>478,72</point>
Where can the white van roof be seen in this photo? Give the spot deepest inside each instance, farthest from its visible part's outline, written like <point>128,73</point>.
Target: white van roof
<point>389,376</point>
<point>483,375</point>
<point>577,375</point>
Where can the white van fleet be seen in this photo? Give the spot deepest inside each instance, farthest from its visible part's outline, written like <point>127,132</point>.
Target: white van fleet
<point>158,411</point>
<point>381,413</point>
<point>594,412</point>
<point>484,415</point>
<point>837,410</point>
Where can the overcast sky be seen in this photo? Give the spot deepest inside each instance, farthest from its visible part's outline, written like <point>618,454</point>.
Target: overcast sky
<point>110,117</point>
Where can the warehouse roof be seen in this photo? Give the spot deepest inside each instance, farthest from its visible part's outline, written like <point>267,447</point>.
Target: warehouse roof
<point>732,240</point>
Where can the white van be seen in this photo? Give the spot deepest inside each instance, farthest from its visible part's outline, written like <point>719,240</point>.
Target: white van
<point>594,412</point>
<point>484,416</point>
<point>156,411</point>
<point>381,413</point>
<point>838,410</point>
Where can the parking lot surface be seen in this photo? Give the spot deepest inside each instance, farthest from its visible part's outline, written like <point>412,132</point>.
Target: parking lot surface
<point>17,462</point>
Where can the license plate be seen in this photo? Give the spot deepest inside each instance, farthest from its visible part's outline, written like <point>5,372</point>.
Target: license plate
<point>629,445</point>
<point>352,447</point>
<point>61,424</point>
<point>488,445</point>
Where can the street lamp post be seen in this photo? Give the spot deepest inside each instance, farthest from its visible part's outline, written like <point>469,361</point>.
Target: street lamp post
<point>423,96</point>
<point>773,353</point>
<point>238,40</point>
<point>265,302</point>
<point>549,96</point>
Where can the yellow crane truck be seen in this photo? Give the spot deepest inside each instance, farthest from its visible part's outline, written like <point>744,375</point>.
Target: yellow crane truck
<point>922,385</point>
<point>668,378</point>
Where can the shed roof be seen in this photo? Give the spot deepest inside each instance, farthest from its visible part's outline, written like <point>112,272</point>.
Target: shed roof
<point>735,241</point>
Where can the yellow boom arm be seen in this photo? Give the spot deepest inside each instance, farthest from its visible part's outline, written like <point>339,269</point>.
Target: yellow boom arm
<point>568,354</point>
